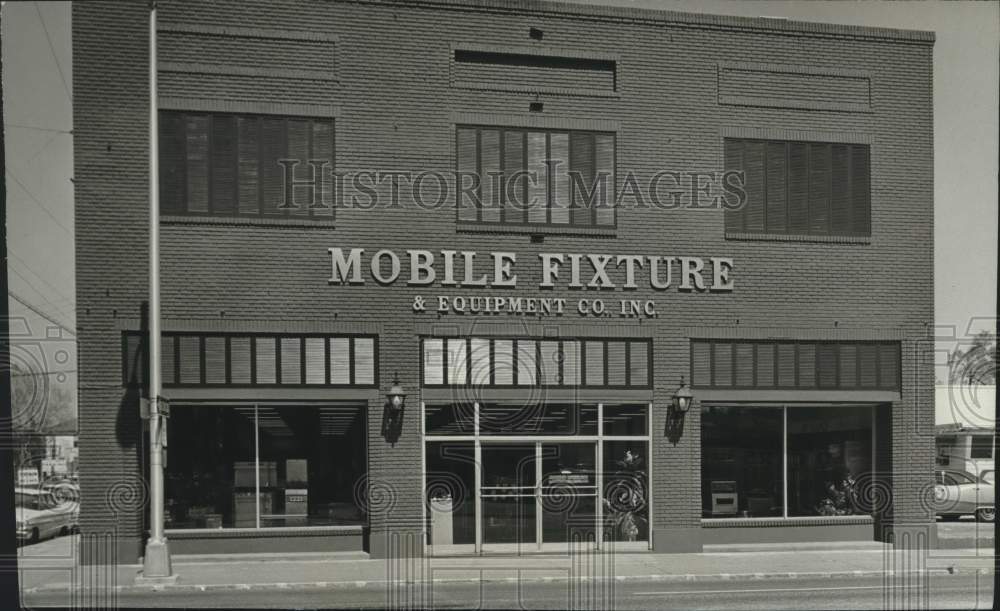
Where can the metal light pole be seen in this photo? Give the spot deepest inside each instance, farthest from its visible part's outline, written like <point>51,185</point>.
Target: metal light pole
<point>156,559</point>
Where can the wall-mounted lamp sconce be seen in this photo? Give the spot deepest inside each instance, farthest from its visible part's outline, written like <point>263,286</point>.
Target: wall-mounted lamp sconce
<point>393,414</point>
<point>681,401</point>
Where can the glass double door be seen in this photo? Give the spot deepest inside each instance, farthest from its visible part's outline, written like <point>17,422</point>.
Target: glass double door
<point>537,493</point>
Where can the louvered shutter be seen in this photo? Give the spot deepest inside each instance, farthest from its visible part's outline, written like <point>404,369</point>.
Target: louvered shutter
<point>300,198</point>
<point>754,163</point>
<point>848,366</point>
<point>604,154</point>
<point>538,188</point>
<point>765,365</point>
<point>503,362</point>
<point>807,365</point>
<point>168,363</point>
<point>273,148</point>
<point>616,364</point>
<point>291,360</point>
<point>239,360</point>
<point>559,144</point>
<point>514,184</point>
<point>322,152</point>
<point>798,188</point>
<point>490,177</point>
<point>223,164</point>
<point>888,366</point>
<point>581,156</point>
<point>786,365</point>
<point>776,189</point>
<point>840,196</point>
<point>734,162</point>
<point>594,359</point>
<point>215,360</point>
<point>527,362</point>
<point>571,362</point>
<point>549,361</point>
<point>364,361</point>
<point>468,166</point>
<point>819,189</point>
<point>458,362</point>
<point>340,360</point>
<point>264,349</point>
<point>638,367</point>
<point>860,190</point>
<point>249,164</point>
<point>826,361</point>
<point>190,355</point>
<point>867,363</point>
<point>480,357</point>
<point>433,361</point>
<point>701,364</point>
<point>197,163</point>
<point>315,360</point>
<point>743,376</point>
<point>172,162</point>
<point>722,364</point>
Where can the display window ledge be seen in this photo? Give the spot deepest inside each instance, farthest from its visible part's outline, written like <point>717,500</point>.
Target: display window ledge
<point>792,237</point>
<point>588,231</point>
<point>258,221</point>
<point>779,522</point>
<point>271,531</point>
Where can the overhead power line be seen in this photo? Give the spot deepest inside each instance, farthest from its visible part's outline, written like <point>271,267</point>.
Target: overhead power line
<point>39,311</point>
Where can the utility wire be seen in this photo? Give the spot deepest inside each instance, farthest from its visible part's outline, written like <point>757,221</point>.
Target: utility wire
<point>38,311</point>
<point>41,129</point>
<point>10,253</point>
<point>35,199</point>
<point>55,58</point>
<point>54,307</point>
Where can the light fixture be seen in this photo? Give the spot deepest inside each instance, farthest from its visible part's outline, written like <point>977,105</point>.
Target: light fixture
<point>397,397</point>
<point>681,401</point>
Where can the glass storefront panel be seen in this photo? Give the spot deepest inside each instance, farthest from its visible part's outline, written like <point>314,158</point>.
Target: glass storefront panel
<point>829,448</point>
<point>569,491</point>
<point>741,461</point>
<point>538,419</point>
<point>450,419</point>
<point>309,461</point>
<point>626,493</point>
<point>450,484</point>
<point>628,420</point>
<point>508,493</point>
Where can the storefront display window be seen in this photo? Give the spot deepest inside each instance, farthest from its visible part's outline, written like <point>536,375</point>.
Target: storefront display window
<point>790,461</point>
<point>264,466</point>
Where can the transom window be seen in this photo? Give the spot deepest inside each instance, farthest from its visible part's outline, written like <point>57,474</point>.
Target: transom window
<point>801,188</point>
<point>214,164</point>
<point>196,359</point>
<point>481,361</point>
<point>535,177</point>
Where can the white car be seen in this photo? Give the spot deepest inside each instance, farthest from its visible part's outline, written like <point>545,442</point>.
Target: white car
<point>957,493</point>
<point>40,515</point>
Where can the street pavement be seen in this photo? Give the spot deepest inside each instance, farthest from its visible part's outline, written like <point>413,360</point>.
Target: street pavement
<point>938,592</point>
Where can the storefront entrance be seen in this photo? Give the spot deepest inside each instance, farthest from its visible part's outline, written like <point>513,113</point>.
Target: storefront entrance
<point>522,479</point>
<point>536,493</point>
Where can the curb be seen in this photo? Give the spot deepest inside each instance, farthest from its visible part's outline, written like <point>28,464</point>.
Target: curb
<point>383,583</point>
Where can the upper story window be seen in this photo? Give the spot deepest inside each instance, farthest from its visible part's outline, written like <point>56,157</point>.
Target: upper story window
<point>535,177</point>
<point>801,188</point>
<point>215,164</point>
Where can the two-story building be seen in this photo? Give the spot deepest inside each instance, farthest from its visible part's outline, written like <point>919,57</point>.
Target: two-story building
<point>547,223</point>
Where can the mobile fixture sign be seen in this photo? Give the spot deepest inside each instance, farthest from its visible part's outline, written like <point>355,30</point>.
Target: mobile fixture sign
<point>601,272</point>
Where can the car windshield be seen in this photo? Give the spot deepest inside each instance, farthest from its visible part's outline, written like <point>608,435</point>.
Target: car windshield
<point>954,478</point>
<point>34,501</point>
<point>988,476</point>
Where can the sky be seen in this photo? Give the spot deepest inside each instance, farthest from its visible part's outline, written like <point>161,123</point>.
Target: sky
<point>37,82</point>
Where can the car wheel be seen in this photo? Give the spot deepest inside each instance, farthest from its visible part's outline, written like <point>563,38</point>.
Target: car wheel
<point>34,536</point>
<point>986,514</point>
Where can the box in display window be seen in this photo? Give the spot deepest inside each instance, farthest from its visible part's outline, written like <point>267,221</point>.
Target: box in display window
<point>245,509</point>
<point>296,506</point>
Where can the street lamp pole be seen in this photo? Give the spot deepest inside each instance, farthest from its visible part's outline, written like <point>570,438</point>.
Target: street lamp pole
<point>156,559</point>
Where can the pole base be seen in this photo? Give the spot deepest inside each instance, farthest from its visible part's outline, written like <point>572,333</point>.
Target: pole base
<point>156,567</point>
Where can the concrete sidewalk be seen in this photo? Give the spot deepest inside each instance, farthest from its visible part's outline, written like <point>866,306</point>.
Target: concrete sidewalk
<point>355,570</point>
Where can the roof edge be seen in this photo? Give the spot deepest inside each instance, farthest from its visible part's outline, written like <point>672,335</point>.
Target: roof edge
<point>677,18</point>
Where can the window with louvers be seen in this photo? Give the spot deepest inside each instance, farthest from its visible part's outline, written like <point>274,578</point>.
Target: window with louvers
<point>777,365</point>
<point>801,188</point>
<point>214,164</point>
<point>232,360</point>
<point>535,177</point>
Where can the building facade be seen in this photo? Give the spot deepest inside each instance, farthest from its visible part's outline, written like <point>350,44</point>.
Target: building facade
<point>357,194</point>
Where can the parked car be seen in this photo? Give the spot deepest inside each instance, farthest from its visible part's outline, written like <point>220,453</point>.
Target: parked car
<point>957,493</point>
<point>40,515</point>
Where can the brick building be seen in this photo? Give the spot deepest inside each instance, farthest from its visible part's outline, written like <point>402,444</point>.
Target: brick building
<point>792,294</point>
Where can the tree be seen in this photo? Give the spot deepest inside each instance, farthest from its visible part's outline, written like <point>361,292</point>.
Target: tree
<point>977,363</point>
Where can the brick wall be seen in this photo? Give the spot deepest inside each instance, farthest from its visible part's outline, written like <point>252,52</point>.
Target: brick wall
<point>388,85</point>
